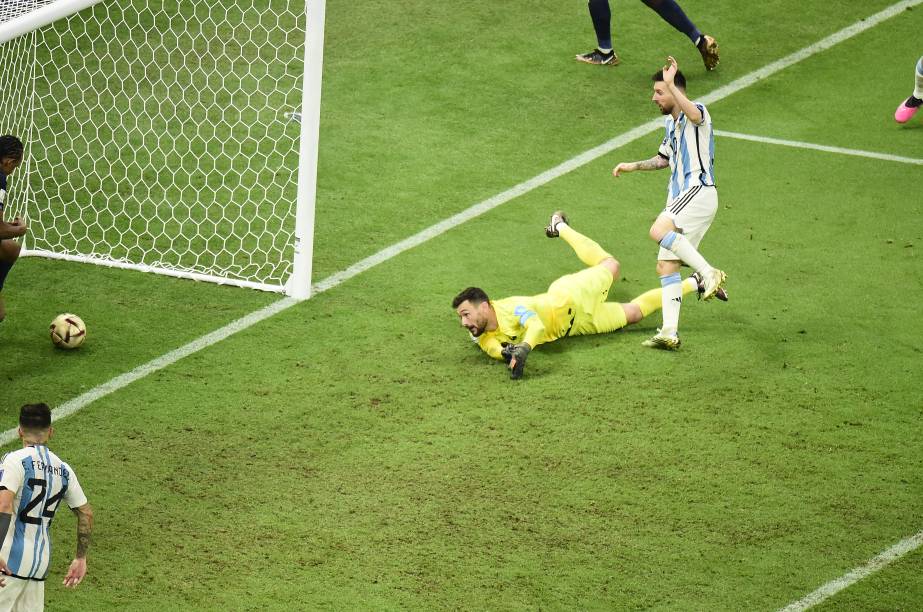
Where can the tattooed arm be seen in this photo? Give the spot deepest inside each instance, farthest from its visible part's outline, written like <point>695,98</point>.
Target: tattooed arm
<point>655,163</point>
<point>78,567</point>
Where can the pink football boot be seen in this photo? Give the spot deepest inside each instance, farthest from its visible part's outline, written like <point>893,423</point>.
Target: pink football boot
<point>904,112</point>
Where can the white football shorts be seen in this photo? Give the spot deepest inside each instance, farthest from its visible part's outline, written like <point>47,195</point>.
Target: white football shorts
<point>692,212</point>
<point>21,595</point>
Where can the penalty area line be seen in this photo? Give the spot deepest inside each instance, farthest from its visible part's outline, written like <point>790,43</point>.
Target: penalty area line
<point>433,231</point>
<point>818,147</point>
<point>905,546</point>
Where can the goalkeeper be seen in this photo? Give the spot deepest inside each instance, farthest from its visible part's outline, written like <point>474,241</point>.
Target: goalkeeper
<point>574,305</point>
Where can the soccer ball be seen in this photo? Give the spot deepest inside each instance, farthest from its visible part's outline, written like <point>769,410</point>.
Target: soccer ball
<point>68,331</point>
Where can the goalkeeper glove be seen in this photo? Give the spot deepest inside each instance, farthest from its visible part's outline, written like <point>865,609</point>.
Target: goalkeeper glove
<point>515,355</point>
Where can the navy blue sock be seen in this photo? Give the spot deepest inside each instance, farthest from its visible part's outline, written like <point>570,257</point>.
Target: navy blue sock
<point>670,11</point>
<point>599,11</point>
<point>5,267</point>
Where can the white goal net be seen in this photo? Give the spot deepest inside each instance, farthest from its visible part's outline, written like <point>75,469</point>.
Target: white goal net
<point>158,135</point>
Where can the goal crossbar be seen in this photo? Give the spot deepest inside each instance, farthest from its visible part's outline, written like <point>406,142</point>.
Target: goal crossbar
<point>26,21</point>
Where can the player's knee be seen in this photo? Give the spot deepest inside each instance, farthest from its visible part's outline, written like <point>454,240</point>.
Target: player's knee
<point>657,233</point>
<point>665,267</point>
<point>633,313</point>
<point>661,227</point>
<point>611,264</point>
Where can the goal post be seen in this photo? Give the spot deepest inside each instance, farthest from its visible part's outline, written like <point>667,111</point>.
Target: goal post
<point>160,136</point>
<point>300,283</point>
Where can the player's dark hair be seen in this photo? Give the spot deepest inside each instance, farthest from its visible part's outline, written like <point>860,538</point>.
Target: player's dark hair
<point>10,146</point>
<point>35,416</point>
<point>475,295</point>
<point>679,80</point>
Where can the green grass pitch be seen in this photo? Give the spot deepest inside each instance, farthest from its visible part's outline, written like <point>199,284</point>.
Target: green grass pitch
<point>357,452</point>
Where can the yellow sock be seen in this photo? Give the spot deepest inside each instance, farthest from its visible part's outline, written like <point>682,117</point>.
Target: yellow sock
<point>586,249</point>
<point>651,301</point>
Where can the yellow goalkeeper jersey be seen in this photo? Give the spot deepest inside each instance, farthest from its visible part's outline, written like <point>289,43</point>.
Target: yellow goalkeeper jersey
<point>536,319</point>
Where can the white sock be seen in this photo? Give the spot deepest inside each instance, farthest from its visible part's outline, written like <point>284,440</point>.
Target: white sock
<point>918,83</point>
<point>672,301</point>
<point>682,248</point>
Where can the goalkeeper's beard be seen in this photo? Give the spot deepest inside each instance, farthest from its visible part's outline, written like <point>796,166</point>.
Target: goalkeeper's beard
<point>476,330</point>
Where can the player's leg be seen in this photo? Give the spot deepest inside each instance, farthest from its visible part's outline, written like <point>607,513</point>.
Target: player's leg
<point>651,301</point>
<point>584,294</point>
<point>911,105</point>
<point>673,14</point>
<point>9,253</point>
<point>693,211</point>
<point>605,318</point>
<point>610,316</point>
<point>671,300</point>
<point>603,54</point>
<point>587,249</point>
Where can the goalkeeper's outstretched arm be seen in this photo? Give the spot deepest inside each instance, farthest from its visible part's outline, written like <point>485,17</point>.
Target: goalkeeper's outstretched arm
<point>516,354</point>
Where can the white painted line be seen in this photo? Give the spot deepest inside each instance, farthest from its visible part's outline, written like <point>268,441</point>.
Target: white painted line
<point>123,380</point>
<point>894,553</point>
<point>431,232</point>
<point>822,45</point>
<point>609,146</point>
<point>817,147</point>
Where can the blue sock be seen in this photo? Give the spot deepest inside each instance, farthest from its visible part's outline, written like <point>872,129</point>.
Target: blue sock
<point>668,240</point>
<point>670,12</point>
<point>601,14</point>
<point>5,267</point>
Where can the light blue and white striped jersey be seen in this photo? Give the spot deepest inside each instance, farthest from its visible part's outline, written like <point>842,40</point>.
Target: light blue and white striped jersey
<point>691,151</point>
<point>40,480</point>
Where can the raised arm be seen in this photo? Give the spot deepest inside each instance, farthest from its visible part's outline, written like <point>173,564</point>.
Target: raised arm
<point>689,109</point>
<point>78,567</point>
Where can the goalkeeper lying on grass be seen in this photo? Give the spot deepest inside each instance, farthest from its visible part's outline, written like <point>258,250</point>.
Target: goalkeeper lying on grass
<point>574,305</point>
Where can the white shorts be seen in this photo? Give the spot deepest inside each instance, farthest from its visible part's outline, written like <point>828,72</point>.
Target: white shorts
<point>20,595</point>
<point>692,212</point>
